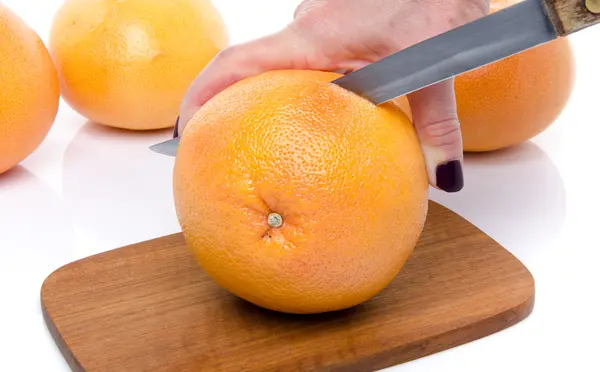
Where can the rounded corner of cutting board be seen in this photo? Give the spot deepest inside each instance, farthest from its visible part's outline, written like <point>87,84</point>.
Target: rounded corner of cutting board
<point>48,285</point>
<point>53,328</point>
<point>48,281</point>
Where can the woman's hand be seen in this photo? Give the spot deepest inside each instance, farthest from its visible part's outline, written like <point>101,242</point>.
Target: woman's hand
<point>345,35</point>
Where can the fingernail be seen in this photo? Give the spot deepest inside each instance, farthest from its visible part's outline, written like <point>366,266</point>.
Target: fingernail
<point>449,176</point>
<point>175,130</point>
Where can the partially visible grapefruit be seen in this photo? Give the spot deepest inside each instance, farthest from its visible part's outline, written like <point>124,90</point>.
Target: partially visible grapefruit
<point>513,100</point>
<point>29,90</point>
<point>128,63</point>
<point>297,195</point>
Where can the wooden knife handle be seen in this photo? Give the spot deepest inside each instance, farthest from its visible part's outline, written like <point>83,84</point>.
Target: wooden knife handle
<point>569,16</point>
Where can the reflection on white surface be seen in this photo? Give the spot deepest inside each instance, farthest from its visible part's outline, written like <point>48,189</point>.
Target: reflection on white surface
<point>35,239</point>
<point>117,190</point>
<point>516,196</point>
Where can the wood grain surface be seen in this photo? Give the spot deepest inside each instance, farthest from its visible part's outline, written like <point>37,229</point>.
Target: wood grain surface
<point>149,307</point>
<point>570,16</point>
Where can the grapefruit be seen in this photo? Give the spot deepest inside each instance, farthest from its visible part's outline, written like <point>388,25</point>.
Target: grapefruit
<point>128,63</point>
<point>515,99</point>
<point>29,90</point>
<point>297,195</point>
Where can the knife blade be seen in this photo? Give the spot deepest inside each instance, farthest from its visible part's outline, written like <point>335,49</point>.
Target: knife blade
<point>504,33</point>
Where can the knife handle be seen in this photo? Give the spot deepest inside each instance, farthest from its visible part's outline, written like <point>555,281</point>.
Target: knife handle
<point>569,16</point>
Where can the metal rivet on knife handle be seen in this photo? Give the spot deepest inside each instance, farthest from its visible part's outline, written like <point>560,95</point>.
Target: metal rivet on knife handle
<point>593,6</point>
<point>569,16</point>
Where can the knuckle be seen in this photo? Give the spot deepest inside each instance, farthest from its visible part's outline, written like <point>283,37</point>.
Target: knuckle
<point>226,59</point>
<point>444,134</point>
<point>305,6</point>
<point>227,53</point>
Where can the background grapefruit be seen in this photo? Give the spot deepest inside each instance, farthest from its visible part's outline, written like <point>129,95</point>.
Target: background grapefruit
<point>128,63</point>
<point>29,90</point>
<point>513,100</point>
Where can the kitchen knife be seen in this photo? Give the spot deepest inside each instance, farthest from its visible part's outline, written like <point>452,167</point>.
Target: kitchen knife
<point>499,35</point>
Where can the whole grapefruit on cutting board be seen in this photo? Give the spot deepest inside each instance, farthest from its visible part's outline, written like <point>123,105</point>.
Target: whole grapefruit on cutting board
<point>513,100</point>
<point>297,195</point>
<point>128,63</point>
<point>29,90</point>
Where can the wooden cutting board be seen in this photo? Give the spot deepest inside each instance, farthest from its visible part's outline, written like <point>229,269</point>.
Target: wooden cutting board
<point>149,307</point>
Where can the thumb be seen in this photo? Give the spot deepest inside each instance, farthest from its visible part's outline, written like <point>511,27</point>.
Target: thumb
<point>283,50</point>
<point>436,121</point>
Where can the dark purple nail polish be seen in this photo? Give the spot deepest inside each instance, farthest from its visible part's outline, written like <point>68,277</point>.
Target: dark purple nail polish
<point>449,176</point>
<point>175,130</point>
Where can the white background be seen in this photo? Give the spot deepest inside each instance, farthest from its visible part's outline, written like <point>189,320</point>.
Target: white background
<point>86,190</point>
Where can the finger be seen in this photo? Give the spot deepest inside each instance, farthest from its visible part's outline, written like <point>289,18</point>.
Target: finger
<point>283,50</point>
<point>436,122</point>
